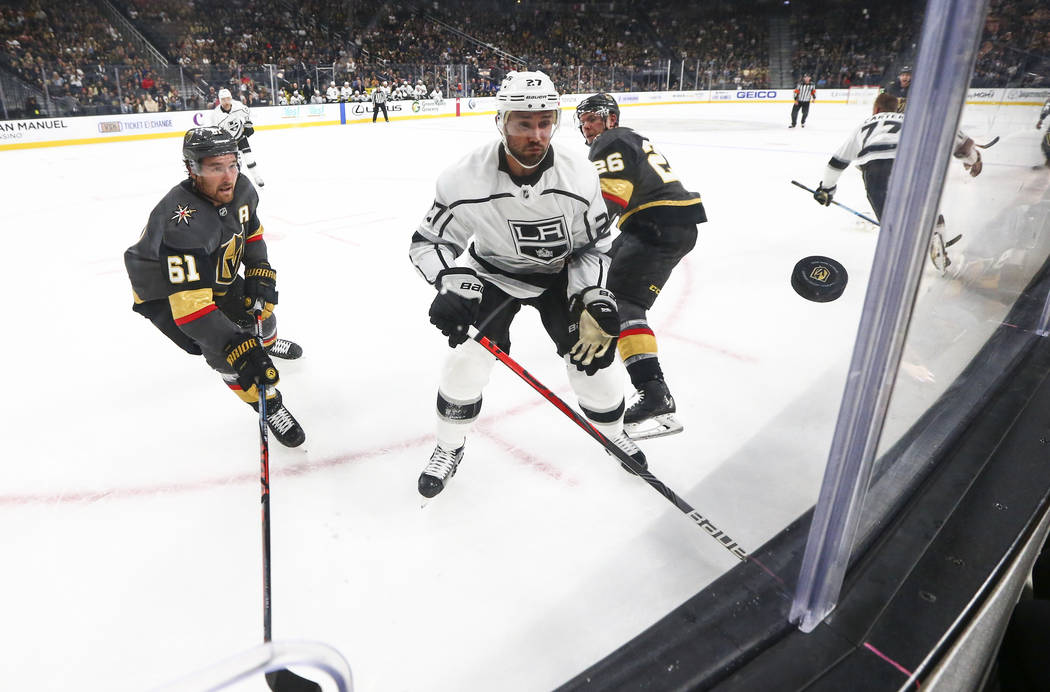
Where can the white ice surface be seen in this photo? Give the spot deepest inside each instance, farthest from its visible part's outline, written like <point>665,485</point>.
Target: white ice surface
<point>130,502</point>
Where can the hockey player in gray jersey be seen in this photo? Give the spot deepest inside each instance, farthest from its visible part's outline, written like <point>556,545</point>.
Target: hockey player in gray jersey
<point>873,147</point>
<point>185,275</point>
<point>517,223</point>
<point>232,116</point>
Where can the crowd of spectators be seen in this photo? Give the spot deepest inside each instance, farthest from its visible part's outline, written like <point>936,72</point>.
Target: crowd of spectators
<point>847,44</point>
<point>722,47</point>
<point>1015,47</point>
<point>72,55</point>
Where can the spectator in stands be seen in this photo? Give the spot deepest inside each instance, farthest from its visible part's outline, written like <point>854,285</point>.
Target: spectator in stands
<point>32,108</point>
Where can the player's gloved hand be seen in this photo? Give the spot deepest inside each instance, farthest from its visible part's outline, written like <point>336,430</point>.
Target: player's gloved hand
<point>260,287</point>
<point>457,303</point>
<point>598,329</point>
<point>251,362</point>
<point>823,194</point>
<point>971,157</point>
<point>1039,125</point>
<point>976,166</point>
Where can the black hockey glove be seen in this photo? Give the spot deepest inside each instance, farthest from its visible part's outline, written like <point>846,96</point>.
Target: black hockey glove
<point>251,362</point>
<point>248,130</point>
<point>823,194</point>
<point>598,329</point>
<point>260,287</point>
<point>457,303</point>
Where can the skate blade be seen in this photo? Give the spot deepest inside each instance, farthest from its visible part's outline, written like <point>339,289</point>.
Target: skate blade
<point>658,426</point>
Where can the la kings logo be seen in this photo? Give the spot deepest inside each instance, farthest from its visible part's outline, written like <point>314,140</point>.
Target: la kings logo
<point>545,241</point>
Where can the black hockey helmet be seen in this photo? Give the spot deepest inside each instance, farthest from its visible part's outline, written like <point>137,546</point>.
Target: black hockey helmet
<point>602,104</point>
<point>202,142</point>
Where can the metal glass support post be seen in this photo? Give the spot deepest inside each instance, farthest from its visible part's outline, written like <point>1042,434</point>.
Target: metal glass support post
<point>47,92</point>
<point>183,101</point>
<point>950,36</point>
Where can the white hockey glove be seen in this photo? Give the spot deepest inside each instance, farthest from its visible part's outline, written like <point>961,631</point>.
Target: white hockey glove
<point>598,329</point>
<point>970,156</point>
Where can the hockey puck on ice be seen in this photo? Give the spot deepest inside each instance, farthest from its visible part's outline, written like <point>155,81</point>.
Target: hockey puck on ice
<point>820,279</point>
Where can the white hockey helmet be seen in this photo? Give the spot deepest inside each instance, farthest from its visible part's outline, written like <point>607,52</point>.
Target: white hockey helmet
<point>527,91</point>
<point>530,92</point>
<point>224,93</point>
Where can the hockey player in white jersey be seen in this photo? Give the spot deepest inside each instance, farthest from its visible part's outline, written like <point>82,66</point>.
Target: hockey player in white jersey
<point>232,116</point>
<point>873,147</point>
<point>517,223</point>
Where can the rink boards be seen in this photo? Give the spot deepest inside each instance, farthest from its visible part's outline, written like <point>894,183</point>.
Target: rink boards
<point>67,131</point>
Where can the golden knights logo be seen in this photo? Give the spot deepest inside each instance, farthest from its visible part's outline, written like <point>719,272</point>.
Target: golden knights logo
<point>545,241</point>
<point>820,273</point>
<point>230,259</point>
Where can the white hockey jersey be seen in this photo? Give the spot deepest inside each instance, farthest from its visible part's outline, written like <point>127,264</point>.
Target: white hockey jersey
<point>875,138</point>
<point>517,237</point>
<point>234,121</point>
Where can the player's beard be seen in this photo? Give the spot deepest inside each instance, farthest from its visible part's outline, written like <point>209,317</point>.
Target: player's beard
<point>214,192</point>
<point>531,155</point>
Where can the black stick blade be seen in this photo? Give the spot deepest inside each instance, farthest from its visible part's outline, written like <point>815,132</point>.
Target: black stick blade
<point>287,681</point>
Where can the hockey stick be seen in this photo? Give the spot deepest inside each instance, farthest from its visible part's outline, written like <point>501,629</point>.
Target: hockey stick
<point>282,680</point>
<point>626,459</point>
<point>866,218</point>
<point>989,144</point>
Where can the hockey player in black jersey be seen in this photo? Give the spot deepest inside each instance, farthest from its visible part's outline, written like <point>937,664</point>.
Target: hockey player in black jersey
<point>658,219</point>
<point>185,275</point>
<point>899,88</point>
<point>1045,142</point>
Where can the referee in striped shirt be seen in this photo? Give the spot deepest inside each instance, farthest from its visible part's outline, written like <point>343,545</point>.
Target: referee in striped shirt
<point>805,92</point>
<point>379,96</point>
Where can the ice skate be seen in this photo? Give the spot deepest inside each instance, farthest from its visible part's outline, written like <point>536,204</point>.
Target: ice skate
<point>281,422</point>
<point>441,467</point>
<point>652,415</point>
<point>627,444</point>
<point>283,348</point>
